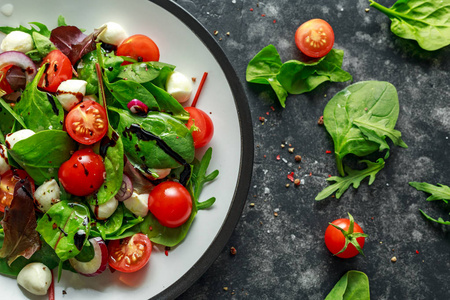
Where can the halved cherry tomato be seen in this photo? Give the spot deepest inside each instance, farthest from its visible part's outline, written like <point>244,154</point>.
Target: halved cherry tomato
<point>335,239</point>
<point>4,84</point>
<point>8,183</point>
<point>58,70</point>
<point>315,38</point>
<point>87,122</point>
<point>138,47</point>
<point>205,126</point>
<point>170,203</point>
<point>83,173</point>
<point>129,254</point>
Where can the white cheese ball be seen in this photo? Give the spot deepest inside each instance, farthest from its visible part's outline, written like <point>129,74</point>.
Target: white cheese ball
<point>17,41</point>
<point>13,138</point>
<point>114,34</point>
<point>105,210</point>
<point>4,166</point>
<point>137,204</point>
<point>35,278</point>
<point>47,195</point>
<point>71,92</point>
<point>179,86</point>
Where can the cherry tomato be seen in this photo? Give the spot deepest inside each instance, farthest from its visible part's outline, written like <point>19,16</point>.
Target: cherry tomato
<point>8,183</point>
<point>315,38</point>
<point>83,173</point>
<point>335,240</point>
<point>87,122</point>
<point>4,84</point>
<point>170,203</point>
<point>138,47</point>
<point>204,124</point>
<point>58,70</point>
<point>129,254</point>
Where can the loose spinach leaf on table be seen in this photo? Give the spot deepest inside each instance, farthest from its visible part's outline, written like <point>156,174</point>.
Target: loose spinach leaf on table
<point>354,285</point>
<point>438,192</point>
<point>65,227</point>
<point>145,154</point>
<point>426,21</point>
<point>172,236</point>
<point>295,77</point>
<point>360,117</point>
<point>354,178</point>
<point>39,110</point>
<point>43,153</point>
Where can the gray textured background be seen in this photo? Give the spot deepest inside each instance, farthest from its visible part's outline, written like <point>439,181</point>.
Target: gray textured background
<point>285,257</point>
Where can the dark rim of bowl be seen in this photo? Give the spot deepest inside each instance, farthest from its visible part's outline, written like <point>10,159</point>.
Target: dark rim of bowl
<point>246,163</point>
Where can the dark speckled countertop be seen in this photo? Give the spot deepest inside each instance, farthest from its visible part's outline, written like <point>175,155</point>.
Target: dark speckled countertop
<point>284,256</point>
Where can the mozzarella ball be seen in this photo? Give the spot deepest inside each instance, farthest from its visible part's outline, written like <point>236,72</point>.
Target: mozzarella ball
<point>35,278</point>
<point>13,138</point>
<point>71,92</point>
<point>17,41</point>
<point>137,204</point>
<point>47,194</point>
<point>114,34</point>
<point>4,166</point>
<point>105,210</point>
<point>179,86</point>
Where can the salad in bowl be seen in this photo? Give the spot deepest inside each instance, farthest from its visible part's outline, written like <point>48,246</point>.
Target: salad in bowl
<point>97,153</point>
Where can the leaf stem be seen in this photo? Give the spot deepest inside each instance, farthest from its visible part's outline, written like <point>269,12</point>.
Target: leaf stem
<point>339,164</point>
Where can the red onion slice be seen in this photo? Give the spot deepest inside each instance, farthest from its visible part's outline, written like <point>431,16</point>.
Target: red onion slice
<point>96,265</point>
<point>126,189</point>
<point>21,60</point>
<point>137,107</point>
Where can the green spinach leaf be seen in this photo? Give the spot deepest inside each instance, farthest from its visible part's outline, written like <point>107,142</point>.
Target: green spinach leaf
<point>39,110</point>
<point>145,154</point>
<point>40,28</point>
<point>9,126</point>
<point>369,102</point>
<point>124,91</point>
<point>354,285</point>
<point>142,72</point>
<point>425,21</point>
<point>354,177</point>
<point>65,227</point>
<point>43,153</point>
<point>43,46</point>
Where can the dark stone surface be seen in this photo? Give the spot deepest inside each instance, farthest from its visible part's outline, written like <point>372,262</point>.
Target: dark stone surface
<point>285,257</point>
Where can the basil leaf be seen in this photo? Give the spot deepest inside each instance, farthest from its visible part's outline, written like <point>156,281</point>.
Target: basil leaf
<point>43,153</point>
<point>425,21</point>
<point>42,110</point>
<point>113,161</point>
<point>379,99</point>
<point>142,72</point>
<point>354,285</point>
<point>65,227</point>
<point>147,154</point>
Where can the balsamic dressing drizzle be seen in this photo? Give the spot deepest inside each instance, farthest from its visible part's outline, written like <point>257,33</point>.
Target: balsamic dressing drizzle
<point>52,102</point>
<point>144,135</point>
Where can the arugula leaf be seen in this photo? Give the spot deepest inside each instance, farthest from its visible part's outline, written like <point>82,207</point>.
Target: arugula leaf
<point>42,110</point>
<point>354,177</point>
<point>19,224</point>
<point>354,285</point>
<point>439,192</point>
<point>61,21</point>
<point>379,100</point>
<point>425,21</point>
<point>40,28</point>
<point>65,227</point>
<point>43,153</point>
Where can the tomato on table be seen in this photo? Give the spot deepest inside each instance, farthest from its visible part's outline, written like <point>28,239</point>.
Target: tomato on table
<point>59,69</point>
<point>8,183</point>
<point>87,123</point>
<point>83,173</point>
<point>4,84</point>
<point>315,38</point>
<point>129,254</point>
<point>171,203</point>
<point>138,47</point>
<point>335,239</point>
<point>205,126</point>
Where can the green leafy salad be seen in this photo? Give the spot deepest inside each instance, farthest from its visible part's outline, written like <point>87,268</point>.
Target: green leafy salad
<point>97,152</point>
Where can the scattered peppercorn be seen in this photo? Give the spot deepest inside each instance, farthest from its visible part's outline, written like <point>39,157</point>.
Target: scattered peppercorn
<point>367,10</point>
<point>225,288</point>
<point>252,204</point>
<point>262,119</point>
<point>228,33</point>
<point>275,214</point>
<point>298,158</point>
<point>282,146</point>
<point>216,32</point>
<point>297,181</point>
<point>288,185</point>
<point>394,259</point>
<point>291,150</point>
<point>233,251</point>
<point>320,122</point>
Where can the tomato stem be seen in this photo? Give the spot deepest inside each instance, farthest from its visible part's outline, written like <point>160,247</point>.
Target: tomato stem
<point>200,87</point>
